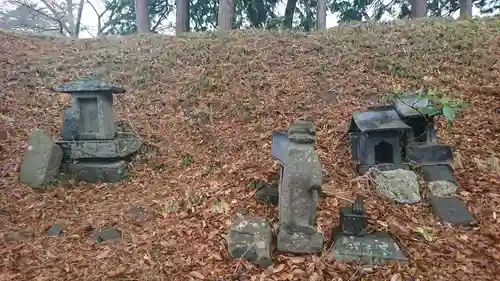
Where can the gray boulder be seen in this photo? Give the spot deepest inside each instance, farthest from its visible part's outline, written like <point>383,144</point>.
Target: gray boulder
<point>42,160</point>
<point>250,239</point>
<point>398,185</point>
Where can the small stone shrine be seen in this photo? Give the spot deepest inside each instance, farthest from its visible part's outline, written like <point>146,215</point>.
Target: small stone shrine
<point>300,181</point>
<point>393,136</point>
<point>93,148</point>
<point>352,240</point>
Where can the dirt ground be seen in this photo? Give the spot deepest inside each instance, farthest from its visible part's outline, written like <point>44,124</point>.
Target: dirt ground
<point>206,107</point>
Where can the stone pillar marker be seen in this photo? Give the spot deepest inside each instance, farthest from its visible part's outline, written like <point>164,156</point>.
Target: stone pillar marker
<point>300,180</point>
<point>92,110</point>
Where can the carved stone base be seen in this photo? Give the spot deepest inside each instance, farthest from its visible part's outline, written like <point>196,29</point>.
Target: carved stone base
<point>300,242</point>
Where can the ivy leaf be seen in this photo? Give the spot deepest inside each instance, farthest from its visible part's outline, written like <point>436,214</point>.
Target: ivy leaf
<point>448,112</point>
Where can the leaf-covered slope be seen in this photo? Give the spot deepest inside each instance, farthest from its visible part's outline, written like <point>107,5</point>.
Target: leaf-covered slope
<point>218,99</point>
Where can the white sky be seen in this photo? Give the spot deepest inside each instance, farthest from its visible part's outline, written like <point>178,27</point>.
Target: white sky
<point>89,17</point>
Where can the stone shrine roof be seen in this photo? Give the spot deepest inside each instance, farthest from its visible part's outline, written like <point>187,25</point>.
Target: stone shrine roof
<point>88,84</point>
<point>379,121</point>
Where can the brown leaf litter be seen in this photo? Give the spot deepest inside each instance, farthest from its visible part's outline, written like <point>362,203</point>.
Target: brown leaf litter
<point>217,99</point>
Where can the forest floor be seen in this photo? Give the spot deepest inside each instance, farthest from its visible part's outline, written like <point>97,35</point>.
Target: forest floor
<point>206,107</point>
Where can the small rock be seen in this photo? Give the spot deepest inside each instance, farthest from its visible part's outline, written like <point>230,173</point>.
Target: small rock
<point>442,188</point>
<point>136,215</point>
<point>19,235</point>
<point>55,230</point>
<point>398,185</point>
<point>250,239</point>
<point>109,234</point>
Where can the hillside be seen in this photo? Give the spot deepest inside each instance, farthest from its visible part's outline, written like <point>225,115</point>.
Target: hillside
<point>218,99</point>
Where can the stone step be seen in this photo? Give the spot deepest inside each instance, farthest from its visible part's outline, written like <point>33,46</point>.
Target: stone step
<point>451,210</point>
<point>429,153</point>
<point>95,171</point>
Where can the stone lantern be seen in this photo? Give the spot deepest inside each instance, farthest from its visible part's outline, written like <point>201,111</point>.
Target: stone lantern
<point>91,115</point>
<point>93,149</point>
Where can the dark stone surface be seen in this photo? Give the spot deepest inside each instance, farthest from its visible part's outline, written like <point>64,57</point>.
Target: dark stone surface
<point>439,173</point>
<point>450,209</point>
<point>411,106</point>
<point>268,194</point>
<point>279,145</point>
<point>55,230</point>
<point>429,154</point>
<point>352,218</point>
<point>88,84</point>
<point>109,234</point>
<point>69,130</point>
<point>373,248</point>
<point>376,121</point>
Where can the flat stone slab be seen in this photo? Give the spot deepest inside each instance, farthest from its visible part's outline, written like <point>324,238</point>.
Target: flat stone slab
<point>300,242</point>
<point>250,238</point>
<point>41,161</point>
<point>440,180</point>
<point>55,230</point>
<point>451,210</point>
<point>96,171</point>
<point>122,146</point>
<point>373,248</point>
<point>398,185</point>
<point>429,154</point>
<point>438,173</point>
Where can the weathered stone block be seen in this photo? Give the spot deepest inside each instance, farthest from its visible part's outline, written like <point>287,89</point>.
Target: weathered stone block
<point>96,171</point>
<point>69,130</point>
<point>440,180</point>
<point>250,239</point>
<point>398,185</point>
<point>373,248</point>
<point>300,242</point>
<point>450,209</point>
<point>42,160</point>
<point>429,153</point>
<point>122,146</point>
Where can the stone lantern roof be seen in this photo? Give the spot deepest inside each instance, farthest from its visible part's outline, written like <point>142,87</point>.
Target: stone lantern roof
<point>89,84</point>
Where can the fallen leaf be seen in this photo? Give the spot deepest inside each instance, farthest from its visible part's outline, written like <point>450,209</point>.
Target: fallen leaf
<point>396,277</point>
<point>196,275</point>
<point>279,268</point>
<point>118,271</point>
<point>422,231</point>
<point>314,276</point>
<point>104,254</point>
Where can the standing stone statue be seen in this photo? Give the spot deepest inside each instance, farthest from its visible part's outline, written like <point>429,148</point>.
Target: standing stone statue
<point>300,180</point>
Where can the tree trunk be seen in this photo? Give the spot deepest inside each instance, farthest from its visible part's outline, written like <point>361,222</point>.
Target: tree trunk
<point>182,16</point>
<point>289,11</point>
<point>142,16</point>
<point>225,18</point>
<point>418,8</point>
<point>321,15</point>
<point>465,9</point>
<point>78,22</point>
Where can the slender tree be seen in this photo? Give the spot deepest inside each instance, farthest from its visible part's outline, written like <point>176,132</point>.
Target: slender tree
<point>182,16</point>
<point>142,16</point>
<point>226,15</point>
<point>418,8</point>
<point>465,9</point>
<point>321,14</point>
